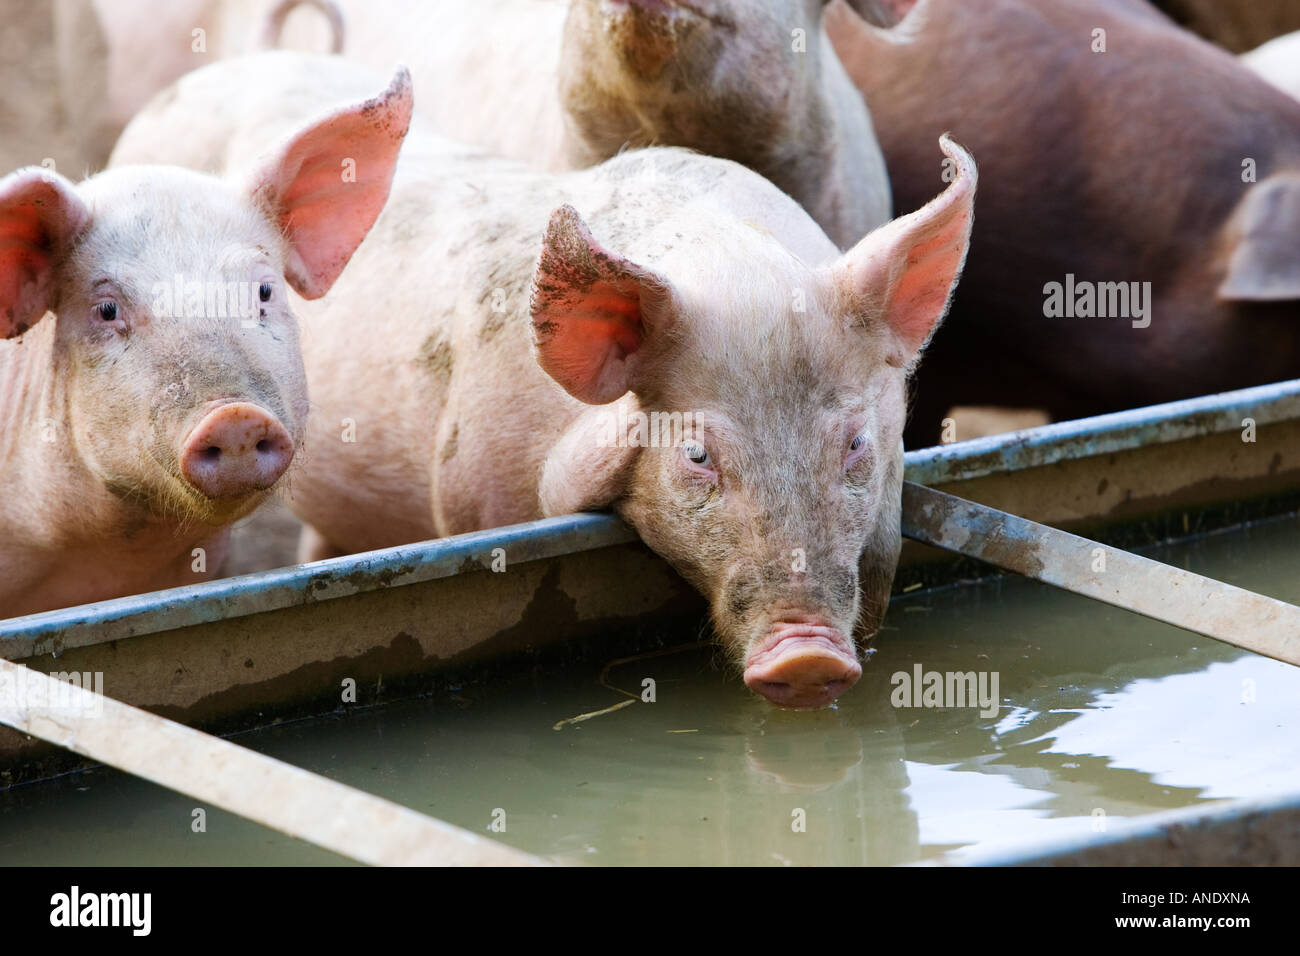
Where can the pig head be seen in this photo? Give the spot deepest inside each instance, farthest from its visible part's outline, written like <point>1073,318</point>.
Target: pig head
<point>152,378</point>
<point>1197,220</point>
<point>777,492</point>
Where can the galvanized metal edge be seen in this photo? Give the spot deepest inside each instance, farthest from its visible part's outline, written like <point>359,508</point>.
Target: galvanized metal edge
<point>52,631</point>
<point>1104,434</point>
<point>1181,825</point>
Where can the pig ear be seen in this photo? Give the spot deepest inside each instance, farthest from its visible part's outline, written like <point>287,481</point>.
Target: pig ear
<point>40,216</point>
<point>589,308</point>
<point>904,272</point>
<point>326,185</point>
<point>1265,262</point>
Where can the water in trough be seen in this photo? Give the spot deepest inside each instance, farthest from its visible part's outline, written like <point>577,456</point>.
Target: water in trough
<point>1100,715</point>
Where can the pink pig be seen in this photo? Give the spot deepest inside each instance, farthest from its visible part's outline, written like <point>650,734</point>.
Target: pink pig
<point>504,332</point>
<point>150,370</point>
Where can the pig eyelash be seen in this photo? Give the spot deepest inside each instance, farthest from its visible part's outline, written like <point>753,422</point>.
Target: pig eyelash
<point>107,311</point>
<point>693,450</point>
<point>857,451</point>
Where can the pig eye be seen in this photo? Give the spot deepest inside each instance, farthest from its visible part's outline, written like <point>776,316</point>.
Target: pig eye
<point>264,292</point>
<point>697,454</point>
<point>858,450</point>
<point>107,311</point>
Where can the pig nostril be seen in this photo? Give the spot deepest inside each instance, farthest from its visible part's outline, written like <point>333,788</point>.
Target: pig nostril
<point>212,453</point>
<point>264,446</point>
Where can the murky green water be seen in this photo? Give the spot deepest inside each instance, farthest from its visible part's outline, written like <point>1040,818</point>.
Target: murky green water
<point>1101,712</point>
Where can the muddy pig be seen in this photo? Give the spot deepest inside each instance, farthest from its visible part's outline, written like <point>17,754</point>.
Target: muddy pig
<point>1120,259</point>
<point>755,81</point>
<point>152,381</point>
<point>505,335</point>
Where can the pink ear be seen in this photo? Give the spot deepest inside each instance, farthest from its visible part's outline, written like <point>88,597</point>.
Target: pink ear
<point>904,272</point>
<point>588,307</point>
<point>326,185</point>
<point>40,215</point>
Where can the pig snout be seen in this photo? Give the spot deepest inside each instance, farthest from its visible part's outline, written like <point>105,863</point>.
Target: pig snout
<point>802,665</point>
<point>236,449</point>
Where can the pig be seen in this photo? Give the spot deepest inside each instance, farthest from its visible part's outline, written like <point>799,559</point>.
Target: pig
<point>74,72</point>
<point>504,333</point>
<point>152,43</point>
<point>1237,25</point>
<point>150,369</point>
<point>1199,219</point>
<point>53,110</point>
<point>755,81</point>
<point>1278,62</point>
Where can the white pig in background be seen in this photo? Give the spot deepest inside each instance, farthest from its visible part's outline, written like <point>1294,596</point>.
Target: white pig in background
<point>151,379</point>
<point>564,86</point>
<point>74,72</point>
<point>152,43</point>
<point>1278,61</point>
<point>493,353</point>
<point>53,105</point>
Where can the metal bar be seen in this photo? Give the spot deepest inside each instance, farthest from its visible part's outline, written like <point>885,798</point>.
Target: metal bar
<point>340,818</point>
<point>1104,434</point>
<point>55,631</point>
<point>1226,613</point>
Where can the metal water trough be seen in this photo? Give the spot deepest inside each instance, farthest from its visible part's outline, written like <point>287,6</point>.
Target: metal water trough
<point>242,652</point>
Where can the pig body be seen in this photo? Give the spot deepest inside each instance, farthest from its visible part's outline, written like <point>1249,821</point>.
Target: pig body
<point>54,108</point>
<point>1237,25</point>
<point>74,72</point>
<point>1196,221</point>
<point>565,86</point>
<point>150,374</point>
<point>152,43</point>
<point>486,359</point>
